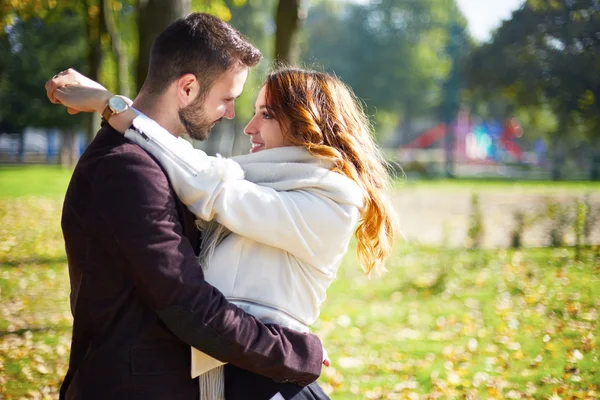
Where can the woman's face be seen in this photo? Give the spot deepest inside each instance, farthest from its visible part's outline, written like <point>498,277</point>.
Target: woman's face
<point>264,131</point>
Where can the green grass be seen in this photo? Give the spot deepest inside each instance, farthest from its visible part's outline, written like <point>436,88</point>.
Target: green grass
<point>52,181</point>
<point>44,180</point>
<point>442,324</point>
<point>415,325</point>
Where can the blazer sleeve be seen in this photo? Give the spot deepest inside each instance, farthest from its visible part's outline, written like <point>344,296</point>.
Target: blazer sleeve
<point>134,199</point>
<point>299,222</point>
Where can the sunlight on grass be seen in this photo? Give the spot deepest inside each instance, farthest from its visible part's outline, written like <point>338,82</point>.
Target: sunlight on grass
<point>42,180</point>
<point>449,324</point>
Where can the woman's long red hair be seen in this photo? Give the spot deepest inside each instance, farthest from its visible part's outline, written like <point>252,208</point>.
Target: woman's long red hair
<point>321,113</point>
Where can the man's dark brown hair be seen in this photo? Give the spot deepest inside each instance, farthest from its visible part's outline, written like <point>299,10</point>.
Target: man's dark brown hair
<point>198,44</point>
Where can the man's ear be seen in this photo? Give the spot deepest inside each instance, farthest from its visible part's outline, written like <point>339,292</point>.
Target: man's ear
<point>187,89</point>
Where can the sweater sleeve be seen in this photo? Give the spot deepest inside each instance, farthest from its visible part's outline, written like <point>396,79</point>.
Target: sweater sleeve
<point>299,222</point>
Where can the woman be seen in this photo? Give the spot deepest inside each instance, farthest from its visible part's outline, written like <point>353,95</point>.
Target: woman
<point>277,223</point>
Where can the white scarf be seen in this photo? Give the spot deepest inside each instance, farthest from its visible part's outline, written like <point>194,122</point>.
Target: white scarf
<point>282,169</point>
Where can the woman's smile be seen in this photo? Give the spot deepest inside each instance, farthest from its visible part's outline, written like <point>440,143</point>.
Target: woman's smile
<point>256,146</point>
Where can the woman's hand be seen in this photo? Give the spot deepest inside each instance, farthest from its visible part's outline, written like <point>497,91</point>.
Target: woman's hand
<point>326,360</point>
<point>77,92</point>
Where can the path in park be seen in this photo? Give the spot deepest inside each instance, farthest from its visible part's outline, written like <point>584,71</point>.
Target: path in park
<point>431,215</point>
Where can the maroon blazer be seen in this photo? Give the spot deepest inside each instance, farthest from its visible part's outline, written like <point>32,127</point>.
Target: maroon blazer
<point>138,297</point>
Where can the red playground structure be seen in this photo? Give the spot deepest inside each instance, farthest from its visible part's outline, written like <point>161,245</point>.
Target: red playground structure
<point>488,141</point>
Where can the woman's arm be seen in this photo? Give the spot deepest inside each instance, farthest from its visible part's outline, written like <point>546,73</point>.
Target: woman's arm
<point>300,222</point>
<point>193,174</point>
<point>78,94</point>
<point>212,187</point>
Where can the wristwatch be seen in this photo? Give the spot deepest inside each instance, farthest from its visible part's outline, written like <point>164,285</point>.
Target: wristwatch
<point>115,105</point>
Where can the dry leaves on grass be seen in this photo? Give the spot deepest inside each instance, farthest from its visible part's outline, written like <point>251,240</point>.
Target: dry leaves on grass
<point>467,325</point>
<point>507,327</point>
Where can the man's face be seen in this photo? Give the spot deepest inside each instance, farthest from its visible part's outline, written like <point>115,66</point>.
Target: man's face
<point>202,114</point>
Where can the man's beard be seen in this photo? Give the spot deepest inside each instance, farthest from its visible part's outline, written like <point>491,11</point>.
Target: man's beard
<point>193,118</point>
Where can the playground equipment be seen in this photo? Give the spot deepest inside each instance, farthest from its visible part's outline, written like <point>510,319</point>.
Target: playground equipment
<point>485,141</point>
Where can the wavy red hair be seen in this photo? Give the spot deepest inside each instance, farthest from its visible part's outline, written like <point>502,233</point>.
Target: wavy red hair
<point>321,113</point>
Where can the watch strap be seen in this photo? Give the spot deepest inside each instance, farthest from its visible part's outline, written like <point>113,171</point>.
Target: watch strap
<point>109,109</point>
<point>107,113</point>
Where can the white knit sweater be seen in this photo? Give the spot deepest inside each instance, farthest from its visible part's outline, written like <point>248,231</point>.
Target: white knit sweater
<point>291,220</point>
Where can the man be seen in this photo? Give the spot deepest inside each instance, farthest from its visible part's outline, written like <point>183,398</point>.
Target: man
<point>138,297</point>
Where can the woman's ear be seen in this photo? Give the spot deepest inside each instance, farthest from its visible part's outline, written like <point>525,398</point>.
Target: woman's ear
<point>187,89</point>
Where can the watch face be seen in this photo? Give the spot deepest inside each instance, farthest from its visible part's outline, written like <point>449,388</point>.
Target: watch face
<point>117,104</point>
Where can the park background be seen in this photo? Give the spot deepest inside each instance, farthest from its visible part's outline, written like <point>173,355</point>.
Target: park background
<point>488,113</point>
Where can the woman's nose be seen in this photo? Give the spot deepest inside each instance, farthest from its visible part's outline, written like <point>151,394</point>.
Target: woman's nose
<point>250,128</point>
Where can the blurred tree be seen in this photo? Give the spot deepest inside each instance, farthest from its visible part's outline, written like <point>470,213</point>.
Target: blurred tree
<point>50,11</point>
<point>393,54</point>
<point>219,8</point>
<point>31,51</point>
<point>95,27</point>
<point>288,18</point>
<point>12,10</point>
<point>154,16</point>
<point>115,29</point>
<point>547,55</point>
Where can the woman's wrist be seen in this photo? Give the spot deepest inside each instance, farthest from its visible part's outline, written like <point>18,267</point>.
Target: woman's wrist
<point>102,100</point>
<point>122,121</point>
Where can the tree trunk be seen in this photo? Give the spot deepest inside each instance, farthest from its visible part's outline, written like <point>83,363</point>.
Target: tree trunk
<point>95,29</point>
<point>558,153</point>
<point>595,164</point>
<point>287,19</point>
<point>111,26</point>
<point>555,173</point>
<point>451,98</point>
<point>153,17</point>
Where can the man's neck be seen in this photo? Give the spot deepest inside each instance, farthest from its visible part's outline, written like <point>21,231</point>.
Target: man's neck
<point>153,107</point>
